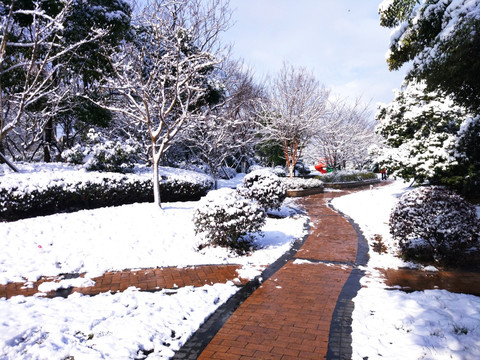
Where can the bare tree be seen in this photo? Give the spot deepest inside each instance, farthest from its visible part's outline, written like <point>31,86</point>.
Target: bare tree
<point>293,112</point>
<point>212,140</point>
<point>32,52</point>
<point>165,76</point>
<point>345,134</point>
<point>244,93</point>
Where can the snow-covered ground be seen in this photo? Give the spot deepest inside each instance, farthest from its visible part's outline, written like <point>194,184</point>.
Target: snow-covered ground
<point>124,237</point>
<point>433,324</point>
<point>391,324</point>
<point>122,325</point>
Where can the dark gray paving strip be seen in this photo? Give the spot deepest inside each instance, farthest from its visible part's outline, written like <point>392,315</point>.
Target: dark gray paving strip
<point>340,336</point>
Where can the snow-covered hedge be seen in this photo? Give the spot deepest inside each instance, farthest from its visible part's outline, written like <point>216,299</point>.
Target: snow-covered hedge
<point>347,176</point>
<point>47,189</point>
<point>301,184</point>
<point>432,223</point>
<point>264,187</point>
<point>226,219</point>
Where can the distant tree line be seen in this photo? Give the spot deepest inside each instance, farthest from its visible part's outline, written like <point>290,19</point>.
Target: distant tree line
<point>80,78</point>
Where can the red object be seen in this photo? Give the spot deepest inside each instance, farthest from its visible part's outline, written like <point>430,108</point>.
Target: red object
<point>321,166</point>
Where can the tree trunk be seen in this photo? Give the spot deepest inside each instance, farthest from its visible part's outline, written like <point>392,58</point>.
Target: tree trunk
<point>47,141</point>
<point>10,164</point>
<point>291,169</point>
<point>156,183</point>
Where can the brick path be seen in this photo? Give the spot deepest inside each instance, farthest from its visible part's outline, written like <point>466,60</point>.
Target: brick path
<point>145,279</point>
<point>289,316</point>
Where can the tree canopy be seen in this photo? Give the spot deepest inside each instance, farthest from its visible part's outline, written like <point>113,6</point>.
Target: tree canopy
<point>441,40</point>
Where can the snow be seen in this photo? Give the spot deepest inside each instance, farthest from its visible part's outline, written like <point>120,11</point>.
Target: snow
<point>115,326</point>
<point>371,210</point>
<point>106,326</point>
<point>40,177</point>
<point>124,237</point>
<point>430,324</point>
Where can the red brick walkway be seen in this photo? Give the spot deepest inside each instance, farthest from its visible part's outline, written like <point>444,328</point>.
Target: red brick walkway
<point>144,279</point>
<point>289,316</point>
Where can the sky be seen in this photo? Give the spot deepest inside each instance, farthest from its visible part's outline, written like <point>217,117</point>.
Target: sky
<point>340,41</point>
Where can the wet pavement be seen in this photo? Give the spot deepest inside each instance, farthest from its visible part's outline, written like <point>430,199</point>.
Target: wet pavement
<point>143,279</point>
<point>457,281</point>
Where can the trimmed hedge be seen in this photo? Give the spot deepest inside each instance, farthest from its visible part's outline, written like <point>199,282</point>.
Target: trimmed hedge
<point>344,176</point>
<point>63,197</point>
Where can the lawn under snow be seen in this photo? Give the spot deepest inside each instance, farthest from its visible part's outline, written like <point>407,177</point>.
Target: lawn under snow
<point>117,326</point>
<point>124,237</point>
<point>391,324</point>
<point>122,325</point>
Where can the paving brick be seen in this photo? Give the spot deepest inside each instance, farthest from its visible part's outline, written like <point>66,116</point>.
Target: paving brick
<point>147,279</point>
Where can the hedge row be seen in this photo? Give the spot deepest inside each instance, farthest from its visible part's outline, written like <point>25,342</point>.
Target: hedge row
<point>15,205</point>
<point>343,176</point>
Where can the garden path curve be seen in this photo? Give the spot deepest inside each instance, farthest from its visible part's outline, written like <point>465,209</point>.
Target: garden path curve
<point>301,307</point>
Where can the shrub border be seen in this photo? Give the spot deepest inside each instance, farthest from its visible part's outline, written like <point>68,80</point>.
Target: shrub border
<point>351,184</point>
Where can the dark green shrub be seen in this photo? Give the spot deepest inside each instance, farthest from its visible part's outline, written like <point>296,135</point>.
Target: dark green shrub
<point>435,224</point>
<point>347,176</point>
<point>66,197</point>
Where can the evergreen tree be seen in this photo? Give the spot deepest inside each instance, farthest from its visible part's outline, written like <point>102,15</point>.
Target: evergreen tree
<point>441,39</point>
<point>422,128</point>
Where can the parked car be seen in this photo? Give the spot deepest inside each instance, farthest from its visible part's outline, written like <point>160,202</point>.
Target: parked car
<point>300,169</point>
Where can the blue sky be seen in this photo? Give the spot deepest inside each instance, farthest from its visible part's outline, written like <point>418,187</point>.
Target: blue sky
<point>341,41</point>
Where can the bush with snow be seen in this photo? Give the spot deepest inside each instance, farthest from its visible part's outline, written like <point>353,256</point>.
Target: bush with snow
<point>104,155</point>
<point>255,167</point>
<point>432,223</point>
<point>264,187</point>
<point>301,183</point>
<point>279,171</point>
<point>348,176</point>
<point>226,219</point>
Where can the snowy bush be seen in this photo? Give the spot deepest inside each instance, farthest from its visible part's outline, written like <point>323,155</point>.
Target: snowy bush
<point>347,176</point>
<point>264,187</point>
<point>279,171</point>
<point>104,155</point>
<point>255,167</point>
<point>23,196</point>
<point>432,223</point>
<point>226,219</point>
<point>61,197</point>
<point>301,184</point>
